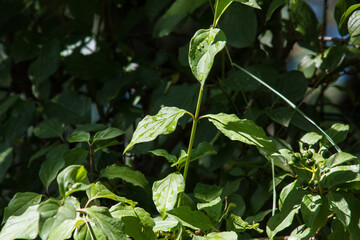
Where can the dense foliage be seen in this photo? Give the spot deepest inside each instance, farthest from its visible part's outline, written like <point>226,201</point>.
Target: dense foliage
<point>180,119</point>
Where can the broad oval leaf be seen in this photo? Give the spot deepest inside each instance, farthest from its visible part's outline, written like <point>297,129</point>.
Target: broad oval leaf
<point>125,173</point>
<point>337,132</point>
<point>164,122</point>
<point>204,45</point>
<point>65,229</point>
<point>108,133</point>
<point>19,203</point>
<point>310,208</point>
<point>242,130</point>
<point>340,158</point>
<point>79,136</point>
<point>113,228</point>
<point>342,177</point>
<point>72,179</point>
<point>340,206</point>
<point>193,219</point>
<point>50,128</point>
<point>98,190</point>
<point>25,226</point>
<point>165,191</point>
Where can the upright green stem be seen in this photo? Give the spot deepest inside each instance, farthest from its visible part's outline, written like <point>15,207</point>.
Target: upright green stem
<point>274,187</point>
<point>192,137</point>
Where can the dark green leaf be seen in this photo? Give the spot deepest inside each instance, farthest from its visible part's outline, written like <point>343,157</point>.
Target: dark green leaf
<point>333,57</point>
<point>204,45</point>
<point>75,156</point>
<point>72,179</point>
<point>53,164</point>
<point>25,226</point>
<point>310,208</point>
<point>201,150</point>
<point>125,173</point>
<point>174,15</point>
<point>337,132</point>
<point>19,203</point>
<point>108,133</point>
<point>340,158</point>
<point>207,193</point>
<point>164,122</point>
<point>342,177</point>
<point>98,190</point>
<point>212,208</point>
<point>237,224</point>
<point>341,7</point>
<point>165,191</point>
<point>239,24</point>
<point>193,219</point>
<point>242,130</point>
<point>50,128</point>
<point>5,160</point>
<point>113,228</point>
<point>79,136</point>
<point>165,154</point>
<point>340,206</point>
<point>46,63</point>
<point>281,115</point>
<point>273,6</point>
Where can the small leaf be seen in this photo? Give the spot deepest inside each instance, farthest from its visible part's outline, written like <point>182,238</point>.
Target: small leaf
<point>340,206</point>
<point>340,158</point>
<point>337,132</point>
<point>201,150</point>
<point>65,229</point>
<point>204,45</point>
<point>193,219</point>
<point>72,179</point>
<point>108,133</point>
<point>19,203</point>
<point>207,193</point>
<point>311,138</point>
<point>53,164</point>
<point>237,224</point>
<point>165,225</point>
<point>25,226</point>
<point>273,6</point>
<point>125,173</point>
<point>242,130</point>
<point>83,232</point>
<point>98,190</point>
<point>113,228</point>
<point>164,122</point>
<point>212,208</point>
<point>310,208</point>
<point>165,191</point>
<point>49,128</point>
<point>221,235</point>
<point>79,136</point>
<point>165,154</point>
<point>280,221</point>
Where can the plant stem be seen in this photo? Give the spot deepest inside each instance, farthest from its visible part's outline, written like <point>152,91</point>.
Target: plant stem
<point>91,153</point>
<point>274,187</point>
<point>192,137</point>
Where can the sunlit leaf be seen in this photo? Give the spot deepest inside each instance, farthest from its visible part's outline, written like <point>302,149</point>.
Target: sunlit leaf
<point>72,179</point>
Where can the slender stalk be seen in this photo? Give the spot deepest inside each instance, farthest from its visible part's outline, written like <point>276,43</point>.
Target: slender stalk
<point>274,186</point>
<point>192,137</point>
<point>91,153</point>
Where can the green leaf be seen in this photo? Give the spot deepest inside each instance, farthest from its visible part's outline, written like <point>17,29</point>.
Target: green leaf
<point>53,164</point>
<point>239,24</point>
<point>201,150</point>
<point>135,229</point>
<point>310,208</point>
<point>72,179</point>
<point>340,158</point>
<point>46,63</point>
<point>108,133</point>
<point>98,190</point>
<point>281,115</point>
<point>164,122</point>
<point>221,235</point>
<point>341,7</point>
<point>311,138</point>
<point>338,231</point>
<point>5,160</point>
<point>242,130</point>
<point>19,203</point>
<point>280,221</point>
<point>305,22</point>
<point>165,191</point>
<point>273,6</point>
<point>53,213</point>
<point>212,208</point>
<point>340,206</point>
<point>346,15</point>
<point>7,103</point>
<point>75,156</point>
<point>207,193</point>
<point>83,232</point>
<point>79,136</point>
<point>204,45</point>
<point>25,226</point>
<point>165,154</point>
<point>125,173</point>
<point>165,225</point>
<point>50,128</point>
<point>337,132</point>
<point>237,224</point>
<point>113,228</point>
<point>333,57</point>
<point>65,229</point>
<point>193,219</point>
<point>174,16</point>
<point>346,177</point>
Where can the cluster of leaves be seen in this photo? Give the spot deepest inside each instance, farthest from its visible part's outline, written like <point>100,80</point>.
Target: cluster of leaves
<point>76,77</point>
